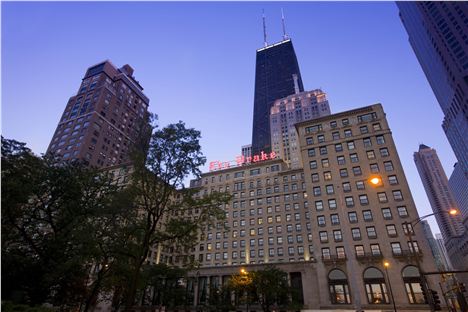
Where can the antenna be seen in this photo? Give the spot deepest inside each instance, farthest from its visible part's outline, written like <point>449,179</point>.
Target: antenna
<point>264,29</point>
<point>285,37</point>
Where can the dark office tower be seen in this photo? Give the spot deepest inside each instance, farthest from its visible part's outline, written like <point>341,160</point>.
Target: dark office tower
<point>102,120</point>
<point>438,33</point>
<point>277,75</point>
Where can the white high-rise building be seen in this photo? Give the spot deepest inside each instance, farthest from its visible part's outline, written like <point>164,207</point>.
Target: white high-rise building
<point>288,111</point>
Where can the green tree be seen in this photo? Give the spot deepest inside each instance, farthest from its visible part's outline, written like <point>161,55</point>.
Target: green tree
<point>271,286</point>
<point>168,213</point>
<point>46,208</point>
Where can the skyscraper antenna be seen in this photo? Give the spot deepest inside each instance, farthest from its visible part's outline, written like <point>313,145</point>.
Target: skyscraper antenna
<point>264,30</point>
<point>285,37</point>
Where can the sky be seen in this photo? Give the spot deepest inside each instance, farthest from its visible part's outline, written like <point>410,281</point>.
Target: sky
<point>196,63</point>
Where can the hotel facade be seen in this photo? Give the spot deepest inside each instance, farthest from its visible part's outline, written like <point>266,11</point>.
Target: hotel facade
<point>325,224</point>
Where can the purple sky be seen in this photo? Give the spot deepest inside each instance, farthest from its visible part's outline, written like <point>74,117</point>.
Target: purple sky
<point>196,62</point>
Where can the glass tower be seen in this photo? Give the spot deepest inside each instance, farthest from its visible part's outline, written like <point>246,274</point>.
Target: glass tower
<point>277,75</point>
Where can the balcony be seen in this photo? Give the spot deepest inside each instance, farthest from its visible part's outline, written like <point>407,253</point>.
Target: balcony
<point>369,257</point>
<point>334,259</point>
<point>407,255</point>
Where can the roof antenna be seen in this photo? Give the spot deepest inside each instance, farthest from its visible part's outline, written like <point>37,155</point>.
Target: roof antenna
<point>285,37</point>
<point>264,29</point>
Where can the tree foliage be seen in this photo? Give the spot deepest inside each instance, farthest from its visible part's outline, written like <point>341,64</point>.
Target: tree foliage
<point>47,243</point>
<point>161,162</point>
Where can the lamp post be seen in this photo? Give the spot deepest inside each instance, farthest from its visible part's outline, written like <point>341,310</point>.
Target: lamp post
<point>409,226</point>
<point>386,265</point>
<point>245,275</point>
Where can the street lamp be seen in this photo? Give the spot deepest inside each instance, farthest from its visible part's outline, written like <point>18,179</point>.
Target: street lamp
<point>245,276</point>
<point>386,265</point>
<point>409,226</point>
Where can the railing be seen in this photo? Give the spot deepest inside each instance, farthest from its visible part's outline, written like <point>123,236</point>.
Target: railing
<point>369,257</point>
<point>334,258</point>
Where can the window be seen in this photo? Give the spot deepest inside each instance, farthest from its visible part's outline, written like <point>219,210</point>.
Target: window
<point>374,168</point>
<point>367,142</point>
<point>387,213</point>
<point>384,152</point>
<point>360,185</point>
<point>319,205</point>
<point>388,165</point>
<point>391,230</point>
<point>346,187</point>
<point>323,237</point>
<point>380,139</point>
<point>402,212</point>
<point>357,171</point>
<point>375,250</point>
<point>356,233</point>
<point>367,215</point>
<point>352,217</point>
<point>363,200</point>
<point>315,177</point>
<point>337,236</point>
<point>348,133</point>
<point>338,147</point>
<point>412,280</point>
<point>323,150</point>
<point>363,129</point>
<point>359,249</point>
<point>382,197</point>
<point>397,195</point>
<point>376,127</point>
<point>376,288</point>
<point>349,201</point>
<point>317,191</point>
<point>345,122</point>
<point>335,220</point>
<point>327,176</point>
<point>336,135</point>
<point>341,160</point>
<point>325,253</point>
<point>414,248</point>
<point>311,152</point>
<point>313,164</point>
<point>320,138</point>
<point>371,233</point>
<point>370,155</point>
<point>333,124</point>
<point>354,158</point>
<point>329,189</point>
<point>396,249</point>
<point>392,180</point>
<point>309,140</point>
<point>321,220</point>
<point>332,204</point>
<point>351,145</point>
<point>325,163</point>
<point>340,252</point>
<point>339,289</point>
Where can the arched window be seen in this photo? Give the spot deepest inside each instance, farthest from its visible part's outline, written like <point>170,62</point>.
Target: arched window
<point>412,280</point>
<point>339,290</point>
<point>376,288</point>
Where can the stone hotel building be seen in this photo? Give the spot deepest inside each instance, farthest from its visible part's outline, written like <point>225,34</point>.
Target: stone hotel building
<point>325,224</point>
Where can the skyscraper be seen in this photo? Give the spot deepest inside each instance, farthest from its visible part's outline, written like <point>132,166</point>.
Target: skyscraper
<point>288,111</point>
<point>439,257</point>
<point>438,33</point>
<point>277,75</point>
<point>436,185</point>
<point>103,119</point>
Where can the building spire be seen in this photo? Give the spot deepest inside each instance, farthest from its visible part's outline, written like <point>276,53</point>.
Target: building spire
<point>285,36</point>
<point>264,30</point>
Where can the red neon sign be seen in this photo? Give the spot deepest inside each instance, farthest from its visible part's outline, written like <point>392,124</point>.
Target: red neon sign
<point>241,160</point>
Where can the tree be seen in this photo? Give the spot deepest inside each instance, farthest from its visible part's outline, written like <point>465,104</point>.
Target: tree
<point>47,243</point>
<point>271,286</point>
<point>166,214</point>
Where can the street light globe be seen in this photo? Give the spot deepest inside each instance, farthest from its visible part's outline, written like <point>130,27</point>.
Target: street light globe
<point>453,212</point>
<point>375,180</point>
<point>386,264</point>
<point>243,271</point>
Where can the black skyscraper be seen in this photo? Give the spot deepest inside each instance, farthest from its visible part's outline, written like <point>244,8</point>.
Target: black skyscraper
<point>277,75</point>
